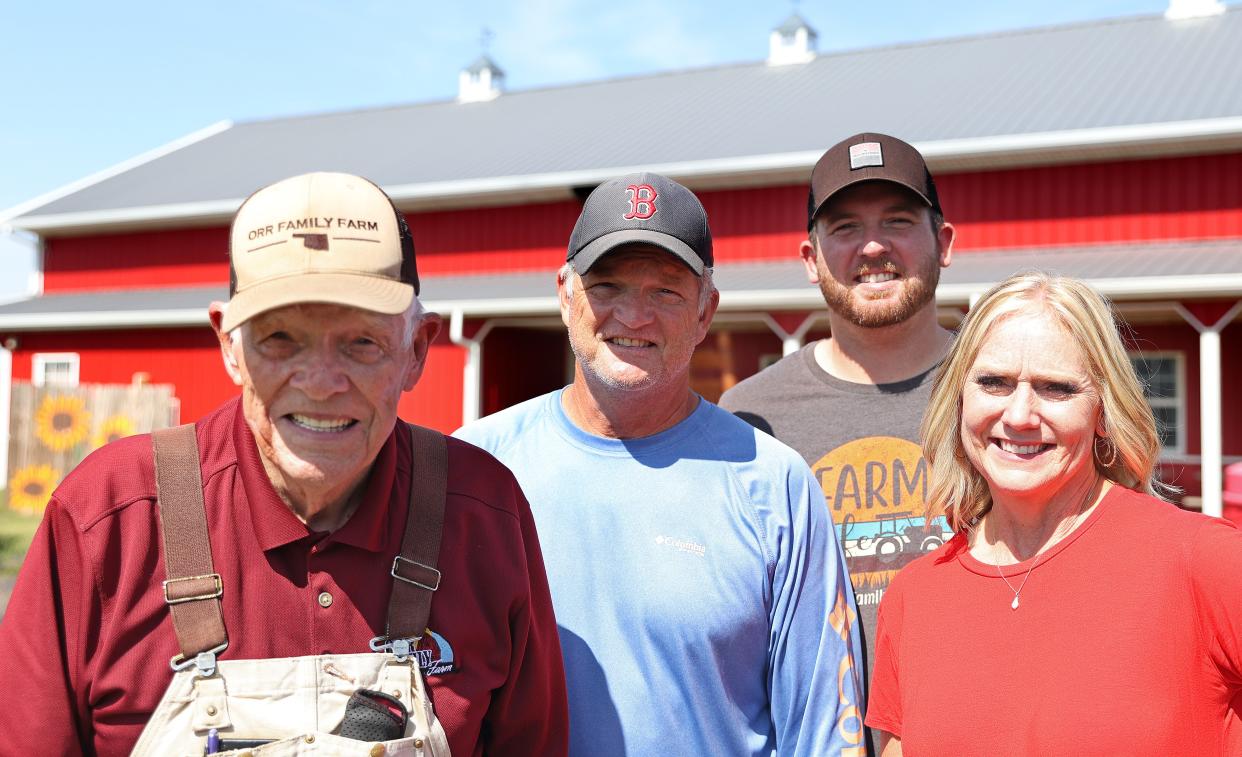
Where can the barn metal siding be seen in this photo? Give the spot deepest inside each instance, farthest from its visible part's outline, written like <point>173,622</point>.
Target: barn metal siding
<point>756,224</point>
<point>486,240</point>
<point>138,260</point>
<point>1197,197</point>
<point>1186,198</point>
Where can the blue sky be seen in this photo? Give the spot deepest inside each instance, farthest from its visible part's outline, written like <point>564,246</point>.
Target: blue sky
<point>86,85</point>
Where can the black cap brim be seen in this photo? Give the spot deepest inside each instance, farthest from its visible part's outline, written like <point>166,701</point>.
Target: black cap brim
<point>600,247</point>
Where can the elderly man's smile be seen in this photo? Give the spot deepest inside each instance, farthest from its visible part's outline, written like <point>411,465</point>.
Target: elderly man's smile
<point>321,424</point>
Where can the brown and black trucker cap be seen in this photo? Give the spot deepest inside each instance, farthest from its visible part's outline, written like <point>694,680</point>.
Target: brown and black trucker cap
<point>330,238</point>
<point>867,157</point>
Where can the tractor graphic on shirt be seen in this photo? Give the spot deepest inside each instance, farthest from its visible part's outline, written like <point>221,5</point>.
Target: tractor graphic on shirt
<point>876,488</point>
<point>890,540</point>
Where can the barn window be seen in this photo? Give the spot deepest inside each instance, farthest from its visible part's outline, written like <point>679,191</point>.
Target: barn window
<point>55,369</point>
<point>1163,376</point>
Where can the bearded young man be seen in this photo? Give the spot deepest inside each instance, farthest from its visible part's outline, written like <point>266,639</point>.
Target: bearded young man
<point>851,403</point>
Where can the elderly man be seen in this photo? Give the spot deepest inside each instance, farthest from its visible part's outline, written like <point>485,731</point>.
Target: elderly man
<point>268,582</point>
<point>703,604</point>
<point>851,404</point>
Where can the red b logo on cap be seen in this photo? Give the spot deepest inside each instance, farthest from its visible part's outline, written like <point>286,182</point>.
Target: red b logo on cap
<point>642,202</point>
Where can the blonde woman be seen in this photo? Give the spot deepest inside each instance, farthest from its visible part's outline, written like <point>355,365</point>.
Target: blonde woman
<point>1074,611</point>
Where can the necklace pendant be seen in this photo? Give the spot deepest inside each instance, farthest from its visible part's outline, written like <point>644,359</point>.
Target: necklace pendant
<point>1015,602</point>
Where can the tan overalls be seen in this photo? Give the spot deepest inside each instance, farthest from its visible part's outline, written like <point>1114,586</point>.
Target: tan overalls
<point>298,701</point>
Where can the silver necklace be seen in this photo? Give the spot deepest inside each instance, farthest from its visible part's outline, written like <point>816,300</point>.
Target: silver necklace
<point>1018,591</point>
<point>1056,537</point>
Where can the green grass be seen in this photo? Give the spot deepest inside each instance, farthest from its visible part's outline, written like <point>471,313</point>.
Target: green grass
<point>16,531</point>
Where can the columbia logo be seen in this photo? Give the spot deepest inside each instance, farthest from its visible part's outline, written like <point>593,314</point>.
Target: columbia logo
<point>682,545</point>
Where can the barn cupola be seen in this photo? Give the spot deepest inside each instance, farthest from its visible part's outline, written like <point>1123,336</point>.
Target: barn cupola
<point>1179,9</point>
<point>791,42</point>
<point>480,81</point>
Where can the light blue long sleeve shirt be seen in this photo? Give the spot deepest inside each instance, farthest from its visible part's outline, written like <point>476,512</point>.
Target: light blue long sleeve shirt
<point>701,596</point>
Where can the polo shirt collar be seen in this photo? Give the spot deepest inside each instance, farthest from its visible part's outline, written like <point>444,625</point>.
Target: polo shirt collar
<point>372,525</point>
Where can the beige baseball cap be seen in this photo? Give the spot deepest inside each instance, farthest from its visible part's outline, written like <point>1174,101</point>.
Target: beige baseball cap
<point>319,237</point>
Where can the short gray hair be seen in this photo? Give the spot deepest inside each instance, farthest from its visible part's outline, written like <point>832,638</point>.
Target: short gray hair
<point>413,316</point>
<point>570,277</point>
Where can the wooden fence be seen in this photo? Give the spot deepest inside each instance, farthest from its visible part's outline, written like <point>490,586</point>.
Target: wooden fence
<point>52,428</point>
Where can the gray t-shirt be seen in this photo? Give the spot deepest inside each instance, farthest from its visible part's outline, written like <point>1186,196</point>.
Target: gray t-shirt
<point>862,443</point>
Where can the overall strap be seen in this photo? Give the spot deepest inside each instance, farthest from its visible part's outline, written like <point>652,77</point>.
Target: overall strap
<point>414,569</point>
<point>193,588</point>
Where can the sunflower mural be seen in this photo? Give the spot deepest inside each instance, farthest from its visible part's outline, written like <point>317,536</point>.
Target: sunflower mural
<point>30,488</point>
<point>62,422</point>
<point>115,427</point>
<point>51,429</point>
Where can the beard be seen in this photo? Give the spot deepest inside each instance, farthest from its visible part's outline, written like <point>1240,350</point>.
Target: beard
<point>917,290</point>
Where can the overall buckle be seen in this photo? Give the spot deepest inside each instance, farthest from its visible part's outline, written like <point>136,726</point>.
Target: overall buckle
<point>204,661</point>
<point>402,649</point>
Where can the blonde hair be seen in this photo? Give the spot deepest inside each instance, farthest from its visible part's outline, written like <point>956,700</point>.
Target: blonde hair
<point>958,491</point>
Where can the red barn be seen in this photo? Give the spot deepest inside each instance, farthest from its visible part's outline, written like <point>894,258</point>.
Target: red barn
<point>1111,151</point>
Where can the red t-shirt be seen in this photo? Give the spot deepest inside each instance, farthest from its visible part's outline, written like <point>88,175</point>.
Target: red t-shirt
<point>1128,641</point>
<point>86,639</point>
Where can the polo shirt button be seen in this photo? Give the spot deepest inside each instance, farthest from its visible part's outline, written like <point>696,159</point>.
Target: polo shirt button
<point>325,599</point>
<point>378,750</point>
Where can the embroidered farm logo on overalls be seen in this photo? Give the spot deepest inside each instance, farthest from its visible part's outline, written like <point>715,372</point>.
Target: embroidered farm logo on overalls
<point>435,655</point>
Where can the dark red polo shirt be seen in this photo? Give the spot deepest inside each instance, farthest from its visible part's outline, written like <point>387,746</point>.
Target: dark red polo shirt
<point>86,639</point>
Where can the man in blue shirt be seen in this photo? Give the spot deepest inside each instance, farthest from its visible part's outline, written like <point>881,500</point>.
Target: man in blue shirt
<point>701,596</point>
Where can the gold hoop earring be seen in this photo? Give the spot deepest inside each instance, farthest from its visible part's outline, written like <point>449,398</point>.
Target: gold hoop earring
<point>1111,446</point>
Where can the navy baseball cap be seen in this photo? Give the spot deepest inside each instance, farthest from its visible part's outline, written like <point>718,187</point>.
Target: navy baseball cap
<point>641,208</point>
